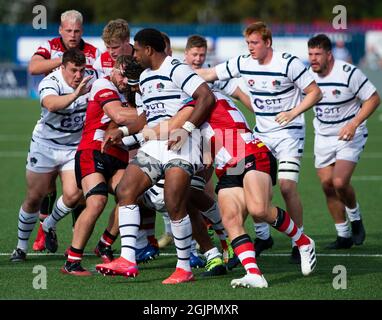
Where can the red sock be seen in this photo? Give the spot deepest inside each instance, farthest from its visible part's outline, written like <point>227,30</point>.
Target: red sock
<point>245,251</point>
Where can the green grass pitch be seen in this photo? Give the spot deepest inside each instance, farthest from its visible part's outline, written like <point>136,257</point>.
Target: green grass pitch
<point>363,263</point>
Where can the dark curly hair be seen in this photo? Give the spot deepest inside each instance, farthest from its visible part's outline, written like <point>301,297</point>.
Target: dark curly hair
<point>130,69</point>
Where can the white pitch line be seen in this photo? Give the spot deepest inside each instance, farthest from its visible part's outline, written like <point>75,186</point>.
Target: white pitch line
<point>358,255</point>
<point>367,178</point>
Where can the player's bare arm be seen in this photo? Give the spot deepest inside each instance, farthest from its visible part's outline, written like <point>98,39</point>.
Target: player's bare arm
<point>208,74</point>
<point>313,95</point>
<point>115,132</point>
<point>204,103</point>
<point>40,65</point>
<point>368,107</point>
<point>55,102</point>
<point>243,97</point>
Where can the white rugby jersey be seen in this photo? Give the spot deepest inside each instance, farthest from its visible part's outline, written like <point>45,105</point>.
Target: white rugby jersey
<point>60,129</point>
<point>344,89</point>
<point>273,88</point>
<point>164,90</point>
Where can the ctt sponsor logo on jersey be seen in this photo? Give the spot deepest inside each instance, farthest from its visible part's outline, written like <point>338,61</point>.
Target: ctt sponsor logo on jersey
<point>329,112</point>
<point>273,104</point>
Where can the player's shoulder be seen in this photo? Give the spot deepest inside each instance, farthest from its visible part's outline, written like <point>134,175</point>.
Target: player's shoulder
<point>102,83</point>
<point>344,67</point>
<point>53,77</point>
<point>88,48</point>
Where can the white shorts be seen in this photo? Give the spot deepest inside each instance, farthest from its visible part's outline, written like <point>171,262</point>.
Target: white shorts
<point>43,159</point>
<point>189,152</point>
<point>289,146</point>
<point>328,149</point>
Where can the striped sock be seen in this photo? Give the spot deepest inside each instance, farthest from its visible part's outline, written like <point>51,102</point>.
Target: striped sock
<point>262,230</point>
<point>245,251</point>
<point>60,211</point>
<point>129,222</point>
<point>25,227</point>
<point>182,232</point>
<point>286,225</point>
<point>213,215</point>
<point>107,238</point>
<point>75,255</point>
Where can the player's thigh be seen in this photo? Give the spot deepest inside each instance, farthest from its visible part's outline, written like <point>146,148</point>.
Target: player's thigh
<point>176,187</point>
<point>38,183</point>
<point>258,193</point>
<point>343,171</point>
<point>232,205</point>
<point>115,179</point>
<point>325,175</point>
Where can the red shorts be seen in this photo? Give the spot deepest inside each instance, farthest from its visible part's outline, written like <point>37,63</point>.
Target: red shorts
<point>89,161</point>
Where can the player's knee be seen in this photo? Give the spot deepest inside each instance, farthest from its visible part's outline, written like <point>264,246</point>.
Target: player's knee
<point>125,194</point>
<point>340,183</point>
<point>230,219</point>
<point>258,210</point>
<point>71,197</point>
<point>96,204</point>
<point>327,187</point>
<point>288,188</point>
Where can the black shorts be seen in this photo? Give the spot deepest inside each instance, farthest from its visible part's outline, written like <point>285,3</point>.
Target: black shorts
<point>90,161</point>
<point>264,162</point>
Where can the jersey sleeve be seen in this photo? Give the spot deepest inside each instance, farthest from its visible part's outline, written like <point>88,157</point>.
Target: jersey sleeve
<point>361,86</point>
<point>298,73</point>
<point>139,104</point>
<point>103,93</point>
<point>186,79</point>
<point>48,86</point>
<point>229,69</point>
<point>44,50</point>
<point>227,86</point>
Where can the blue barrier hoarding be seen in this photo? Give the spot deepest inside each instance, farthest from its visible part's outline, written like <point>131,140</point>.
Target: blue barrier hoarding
<point>13,82</point>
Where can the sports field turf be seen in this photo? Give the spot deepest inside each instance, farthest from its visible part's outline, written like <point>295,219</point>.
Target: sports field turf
<point>363,263</point>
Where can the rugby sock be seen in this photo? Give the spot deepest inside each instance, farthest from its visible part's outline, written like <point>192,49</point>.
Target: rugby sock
<point>47,205</point>
<point>75,255</point>
<point>193,250</point>
<point>285,224</point>
<point>141,239</point>
<point>25,227</point>
<point>212,253</point>
<point>353,214</point>
<point>213,215</point>
<point>182,232</point>
<point>60,211</point>
<point>262,230</point>
<point>343,229</point>
<point>167,223</point>
<point>148,224</point>
<point>129,222</point>
<point>107,239</point>
<point>245,251</point>
<point>294,244</point>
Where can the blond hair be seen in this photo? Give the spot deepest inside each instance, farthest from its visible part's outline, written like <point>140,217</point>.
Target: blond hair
<point>116,30</point>
<point>260,28</point>
<point>72,15</point>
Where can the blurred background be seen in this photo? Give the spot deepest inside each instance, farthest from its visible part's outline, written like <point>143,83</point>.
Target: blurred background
<point>220,21</point>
